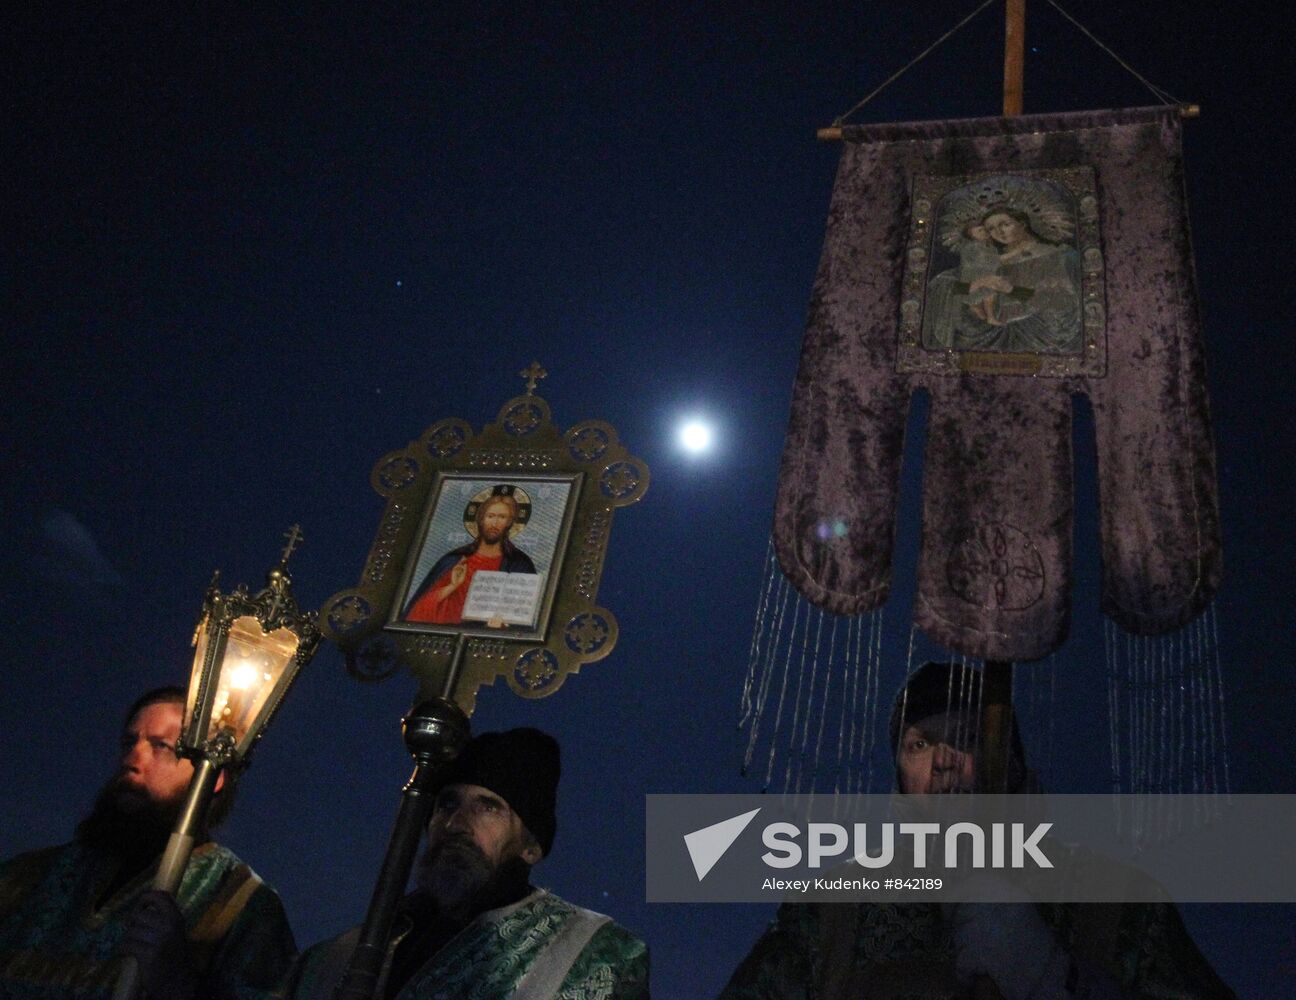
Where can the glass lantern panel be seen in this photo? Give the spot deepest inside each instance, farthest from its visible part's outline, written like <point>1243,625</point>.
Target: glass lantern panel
<point>200,644</point>
<point>253,665</point>
<point>200,654</point>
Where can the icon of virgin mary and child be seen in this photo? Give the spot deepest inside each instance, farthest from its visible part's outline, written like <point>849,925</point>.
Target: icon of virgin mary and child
<point>1017,282</point>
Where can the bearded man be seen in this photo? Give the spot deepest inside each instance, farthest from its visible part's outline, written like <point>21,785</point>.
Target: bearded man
<point>441,596</point>
<point>68,914</point>
<point>475,926</point>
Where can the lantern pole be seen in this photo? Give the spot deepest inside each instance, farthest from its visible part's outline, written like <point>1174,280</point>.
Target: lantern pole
<point>192,819</point>
<point>175,858</point>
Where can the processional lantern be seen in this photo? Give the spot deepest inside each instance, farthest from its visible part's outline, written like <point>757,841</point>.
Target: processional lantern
<point>486,562</point>
<point>248,650</point>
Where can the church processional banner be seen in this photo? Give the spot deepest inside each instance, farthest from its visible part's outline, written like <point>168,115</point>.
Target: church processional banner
<point>1002,265</point>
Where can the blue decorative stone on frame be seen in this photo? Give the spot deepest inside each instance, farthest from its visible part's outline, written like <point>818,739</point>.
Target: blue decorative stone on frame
<point>523,418</point>
<point>587,633</point>
<point>446,441</point>
<point>620,480</point>
<point>588,443</point>
<point>536,669</point>
<point>398,473</point>
<point>348,614</point>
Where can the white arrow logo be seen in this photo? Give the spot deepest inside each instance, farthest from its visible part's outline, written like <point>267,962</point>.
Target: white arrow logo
<point>708,845</point>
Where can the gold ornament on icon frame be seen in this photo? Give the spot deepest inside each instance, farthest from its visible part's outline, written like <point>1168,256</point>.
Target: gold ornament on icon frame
<point>494,541</point>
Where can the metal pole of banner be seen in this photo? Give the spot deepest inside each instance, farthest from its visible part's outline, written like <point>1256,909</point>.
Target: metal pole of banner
<point>434,731</point>
<point>456,667</point>
<point>834,133</point>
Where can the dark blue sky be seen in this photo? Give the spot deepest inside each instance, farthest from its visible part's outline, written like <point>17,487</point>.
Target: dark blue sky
<point>248,254</point>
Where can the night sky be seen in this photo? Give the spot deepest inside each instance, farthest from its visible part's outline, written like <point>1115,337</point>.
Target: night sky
<point>247,254</point>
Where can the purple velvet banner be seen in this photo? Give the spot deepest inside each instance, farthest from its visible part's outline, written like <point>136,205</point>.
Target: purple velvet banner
<point>1002,265</point>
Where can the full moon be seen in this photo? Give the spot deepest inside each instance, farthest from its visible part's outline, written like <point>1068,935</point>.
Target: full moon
<point>695,436</point>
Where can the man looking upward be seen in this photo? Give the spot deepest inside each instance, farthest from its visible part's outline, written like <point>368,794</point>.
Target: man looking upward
<point>68,913</point>
<point>475,926</point>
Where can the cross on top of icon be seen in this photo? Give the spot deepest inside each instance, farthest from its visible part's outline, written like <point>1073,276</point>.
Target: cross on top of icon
<point>533,374</point>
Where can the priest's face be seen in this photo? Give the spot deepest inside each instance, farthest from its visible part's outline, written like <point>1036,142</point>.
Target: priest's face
<point>150,771</point>
<point>936,757</point>
<point>475,840</point>
<point>138,807</point>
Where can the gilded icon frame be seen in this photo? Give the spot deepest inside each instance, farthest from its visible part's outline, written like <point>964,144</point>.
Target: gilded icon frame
<point>522,446</point>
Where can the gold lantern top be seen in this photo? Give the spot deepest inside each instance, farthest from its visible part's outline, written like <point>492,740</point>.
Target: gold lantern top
<point>247,651</point>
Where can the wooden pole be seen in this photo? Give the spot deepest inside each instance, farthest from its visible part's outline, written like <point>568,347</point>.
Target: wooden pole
<point>996,704</point>
<point>996,727</point>
<point>1014,56</point>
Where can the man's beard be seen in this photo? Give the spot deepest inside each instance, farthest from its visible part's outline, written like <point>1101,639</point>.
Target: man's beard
<point>493,537</point>
<point>127,822</point>
<point>460,882</point>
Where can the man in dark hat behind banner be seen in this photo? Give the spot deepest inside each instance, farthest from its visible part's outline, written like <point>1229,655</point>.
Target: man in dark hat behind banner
<point>475,926</point>
<point>1016,950</point>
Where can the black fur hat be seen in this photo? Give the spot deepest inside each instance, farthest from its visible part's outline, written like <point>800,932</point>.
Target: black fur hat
<point>521,766</point>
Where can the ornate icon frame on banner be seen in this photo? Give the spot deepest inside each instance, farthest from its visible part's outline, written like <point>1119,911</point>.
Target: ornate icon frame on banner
<point>540,500</point>
<point>946,269</point>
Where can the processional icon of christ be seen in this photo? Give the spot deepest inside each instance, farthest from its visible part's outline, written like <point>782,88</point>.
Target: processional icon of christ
<point>489,553</point>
